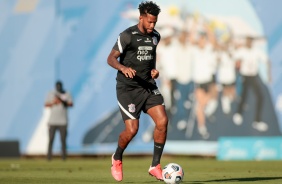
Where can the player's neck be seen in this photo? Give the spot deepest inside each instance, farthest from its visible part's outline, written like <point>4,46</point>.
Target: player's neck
<point>141,29</point>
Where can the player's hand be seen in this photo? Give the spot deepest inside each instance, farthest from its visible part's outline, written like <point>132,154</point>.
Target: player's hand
<point>128,72</point>
<point>154,73</point>
<point>57,100</point>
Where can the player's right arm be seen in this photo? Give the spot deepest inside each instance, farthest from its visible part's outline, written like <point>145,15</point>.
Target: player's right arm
<point>113,62</point>
<point>122,42</point>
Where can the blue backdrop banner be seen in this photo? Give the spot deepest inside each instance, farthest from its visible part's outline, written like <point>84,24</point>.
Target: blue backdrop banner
<point>249,148</point>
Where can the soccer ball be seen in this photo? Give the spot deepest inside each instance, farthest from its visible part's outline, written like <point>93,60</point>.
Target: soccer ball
<point>173,173</point>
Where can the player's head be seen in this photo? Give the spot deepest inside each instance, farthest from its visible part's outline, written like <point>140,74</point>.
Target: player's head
<point>203,38</point>
<point>149,12</point>
<point>59,86</point>
<point>149,7</point>
<point>249,41</point>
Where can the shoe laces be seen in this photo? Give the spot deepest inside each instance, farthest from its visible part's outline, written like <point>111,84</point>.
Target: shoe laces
<point>117,163</point>
<point>158,166</point>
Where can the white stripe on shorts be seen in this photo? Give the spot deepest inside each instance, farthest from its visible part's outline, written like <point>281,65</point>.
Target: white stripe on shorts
<point>119,45</point>
<point>125,111</point>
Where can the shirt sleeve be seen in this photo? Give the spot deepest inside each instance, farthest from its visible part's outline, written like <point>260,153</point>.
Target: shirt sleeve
<point>238,54</point>
<point>69,98</point>
<point>49,98</point>
<point>262,56</point>
<point>122,42</point>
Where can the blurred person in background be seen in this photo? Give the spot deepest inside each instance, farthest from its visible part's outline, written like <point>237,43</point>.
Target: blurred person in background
<point>184,86</point>
<point>227,74</point>
<point>212,46</point>
<point>249,58</point>
<point>203,56</point>
<point>136,87</point>
<point>167,66</point>
<point>58,101</point>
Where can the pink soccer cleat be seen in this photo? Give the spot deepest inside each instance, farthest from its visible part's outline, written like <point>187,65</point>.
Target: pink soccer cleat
<point>116,169</point>
<point>156,172</point>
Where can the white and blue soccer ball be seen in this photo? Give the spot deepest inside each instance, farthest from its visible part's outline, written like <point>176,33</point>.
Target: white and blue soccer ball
<point>173,173</point>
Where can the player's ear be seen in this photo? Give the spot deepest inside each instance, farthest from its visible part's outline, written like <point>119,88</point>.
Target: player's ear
<point>140,18</point>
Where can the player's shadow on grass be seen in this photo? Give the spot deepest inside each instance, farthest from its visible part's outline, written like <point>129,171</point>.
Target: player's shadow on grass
<point>236,180</point>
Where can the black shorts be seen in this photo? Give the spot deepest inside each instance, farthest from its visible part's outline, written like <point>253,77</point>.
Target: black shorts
<point>228,85</point>
<point>132,101</point>
<point>204,86</point>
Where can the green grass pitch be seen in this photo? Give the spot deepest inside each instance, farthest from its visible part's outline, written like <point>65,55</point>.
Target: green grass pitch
<point>97,170</point>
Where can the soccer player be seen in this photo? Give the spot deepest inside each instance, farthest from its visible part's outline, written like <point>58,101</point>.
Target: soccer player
<point>136,88</point>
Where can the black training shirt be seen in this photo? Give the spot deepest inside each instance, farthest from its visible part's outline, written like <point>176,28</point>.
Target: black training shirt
<point>138,51</point>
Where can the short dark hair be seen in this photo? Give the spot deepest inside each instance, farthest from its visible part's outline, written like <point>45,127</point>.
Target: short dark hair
<point>149,7</point>
<point>58,82</point>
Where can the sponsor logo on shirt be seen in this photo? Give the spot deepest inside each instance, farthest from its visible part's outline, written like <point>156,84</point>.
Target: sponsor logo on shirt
<point>134,32</point>
<point>143,53</point>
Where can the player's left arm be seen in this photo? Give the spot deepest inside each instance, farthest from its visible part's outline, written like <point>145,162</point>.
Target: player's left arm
<point>154,72</point>
<point>269,71</point>
<point>69,101</point>
<point>264,58</point>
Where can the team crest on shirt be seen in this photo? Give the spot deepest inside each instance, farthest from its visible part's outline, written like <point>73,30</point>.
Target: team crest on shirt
<point>155,40</point>
<point>131,108</point>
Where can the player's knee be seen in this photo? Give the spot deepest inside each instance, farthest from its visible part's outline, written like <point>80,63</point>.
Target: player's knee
<point>162,124</point>
<point>132,131</point>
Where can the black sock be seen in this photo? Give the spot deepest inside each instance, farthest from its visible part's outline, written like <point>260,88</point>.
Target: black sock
<point>158,150</point>
<point>118,153</point>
